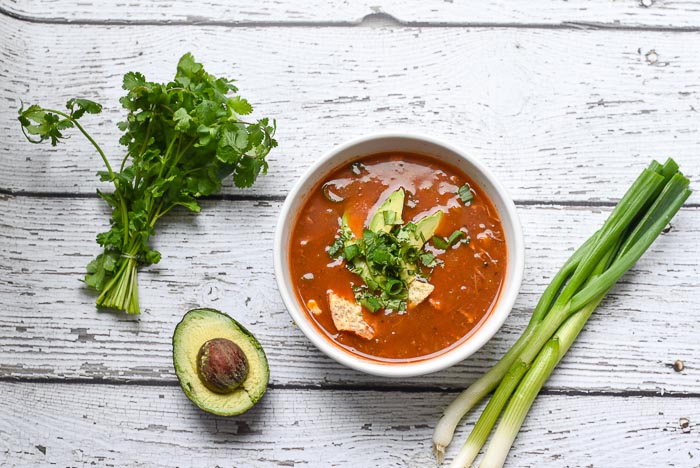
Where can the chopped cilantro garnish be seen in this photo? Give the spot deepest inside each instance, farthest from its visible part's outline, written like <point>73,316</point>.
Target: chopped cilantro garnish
<point>429,260</point>
<point>395,304</point>
<point>351,251</point>
<point>390,256</point>
<point>387,262</point>
<point>410,253</point>
<point>405,232</point>
<point>370,302</point>
<point>336,247</point>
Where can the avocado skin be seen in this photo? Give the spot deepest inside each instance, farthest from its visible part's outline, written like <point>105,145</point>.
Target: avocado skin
<point>249,392</point>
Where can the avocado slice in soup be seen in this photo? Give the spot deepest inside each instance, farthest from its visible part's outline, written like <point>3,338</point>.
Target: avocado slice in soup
<point>425,229</point>
<point>389,213</point>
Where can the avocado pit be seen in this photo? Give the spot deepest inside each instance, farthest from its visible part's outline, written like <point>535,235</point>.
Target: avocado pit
<point>221,365</point>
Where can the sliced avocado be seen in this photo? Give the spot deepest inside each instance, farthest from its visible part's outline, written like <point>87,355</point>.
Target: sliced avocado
<point>201,326</point>
<point>425,229</point>
<point>393,206</point>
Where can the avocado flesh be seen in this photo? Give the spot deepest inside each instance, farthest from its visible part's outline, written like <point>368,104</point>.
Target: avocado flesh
<point>425,229</point>
<point>196,328</point>
<point>394,203</point>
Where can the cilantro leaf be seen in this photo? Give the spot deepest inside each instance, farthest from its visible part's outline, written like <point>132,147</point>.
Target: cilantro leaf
<point>182,120</point>
<point>369,301</point>
<point>429,260</point>
<point>248,170</point>
<point>78,107</point>
<point>44,124</point>
<point>240,106</point>
<point>132,80</point>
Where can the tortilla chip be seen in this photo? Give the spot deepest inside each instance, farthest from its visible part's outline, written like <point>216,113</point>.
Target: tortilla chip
<point>418,292</point>
<point>348,316</point>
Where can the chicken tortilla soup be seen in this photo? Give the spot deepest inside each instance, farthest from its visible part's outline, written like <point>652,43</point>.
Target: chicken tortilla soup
<point>397,257</point>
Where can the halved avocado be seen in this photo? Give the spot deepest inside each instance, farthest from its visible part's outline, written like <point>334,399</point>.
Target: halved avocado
<point>200,326</point>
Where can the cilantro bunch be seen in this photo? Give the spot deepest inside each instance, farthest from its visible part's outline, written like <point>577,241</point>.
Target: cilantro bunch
<point>182,139</point>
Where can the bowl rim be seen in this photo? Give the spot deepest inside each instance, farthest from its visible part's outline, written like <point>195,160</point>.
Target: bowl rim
<point>485,331</point>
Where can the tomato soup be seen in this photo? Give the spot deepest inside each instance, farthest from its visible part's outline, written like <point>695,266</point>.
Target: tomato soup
<point>466,284</point>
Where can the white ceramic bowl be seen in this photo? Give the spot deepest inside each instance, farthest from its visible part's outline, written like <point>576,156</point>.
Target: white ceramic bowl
<point>385,142</point>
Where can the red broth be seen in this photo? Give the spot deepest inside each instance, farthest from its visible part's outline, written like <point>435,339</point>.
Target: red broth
<point>467,285</point>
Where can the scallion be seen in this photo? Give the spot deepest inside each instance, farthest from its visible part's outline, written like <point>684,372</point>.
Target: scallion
<point>394,287</point>
<point>454,237</point>
<point>440,243</point>
<point>444,244</point>
<point>565,306</point>
<point>329,194</point>
<point>465,193</point>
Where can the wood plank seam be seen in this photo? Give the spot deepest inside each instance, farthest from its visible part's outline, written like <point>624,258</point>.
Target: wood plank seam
<point>352,387</point>
<point>370,19</point>
<point>281,198</point>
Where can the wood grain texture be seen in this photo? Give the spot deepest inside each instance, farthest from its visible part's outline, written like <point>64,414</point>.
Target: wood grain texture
<point>633,13</point>
<point>565,101</point>
<point>559,115</point>
<point>81,425</point>
<point>222,258</point>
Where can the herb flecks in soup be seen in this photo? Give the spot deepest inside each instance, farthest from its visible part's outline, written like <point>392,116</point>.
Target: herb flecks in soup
<point>397,256</point>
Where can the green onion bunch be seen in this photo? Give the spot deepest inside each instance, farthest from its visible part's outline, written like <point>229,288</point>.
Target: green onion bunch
<point>559,316</point>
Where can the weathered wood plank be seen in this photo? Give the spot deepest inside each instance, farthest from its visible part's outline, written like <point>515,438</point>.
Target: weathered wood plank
<point>646,13</point>
<point>222,258</point>
<point>557,114</point>
<point>130,426</point>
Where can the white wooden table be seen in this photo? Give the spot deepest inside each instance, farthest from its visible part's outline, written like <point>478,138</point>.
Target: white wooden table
<point>565,101</point>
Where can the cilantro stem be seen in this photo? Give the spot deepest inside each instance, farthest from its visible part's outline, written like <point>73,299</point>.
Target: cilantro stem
<point>168,108</point>
<point>178,155</point>
<point>112,175</point>
<point>90,139</point>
